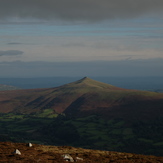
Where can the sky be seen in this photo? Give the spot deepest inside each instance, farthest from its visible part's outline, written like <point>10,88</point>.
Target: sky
<point>45,38</point>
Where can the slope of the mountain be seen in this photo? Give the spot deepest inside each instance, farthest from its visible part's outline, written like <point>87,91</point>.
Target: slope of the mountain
<point>83,97</point>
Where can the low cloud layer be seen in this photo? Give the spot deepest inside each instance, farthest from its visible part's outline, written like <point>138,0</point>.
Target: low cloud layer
<point>149,67</point>
<point>11,53</point>
<point>84,10</point>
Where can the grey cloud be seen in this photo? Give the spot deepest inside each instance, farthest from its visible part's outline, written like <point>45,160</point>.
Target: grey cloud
<point>11,53</point>
<point>14,43</point>
<point>74,45</point>
<point>85,10</point>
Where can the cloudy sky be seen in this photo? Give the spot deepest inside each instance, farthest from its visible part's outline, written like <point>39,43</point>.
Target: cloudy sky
<point>81,38</point>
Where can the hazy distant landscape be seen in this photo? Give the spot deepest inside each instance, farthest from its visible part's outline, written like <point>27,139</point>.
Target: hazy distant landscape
<point>140,83</point>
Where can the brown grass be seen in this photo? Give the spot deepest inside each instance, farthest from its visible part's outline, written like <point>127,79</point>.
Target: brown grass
<point>53,154</point>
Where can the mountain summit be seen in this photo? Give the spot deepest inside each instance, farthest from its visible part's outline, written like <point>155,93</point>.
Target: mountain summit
<point>90,83</point>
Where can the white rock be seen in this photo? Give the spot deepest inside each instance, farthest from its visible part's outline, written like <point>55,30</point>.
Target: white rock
<point>67,157</point>
<point>17,152</point>
<point>78,158</point>
<point>29,144</point>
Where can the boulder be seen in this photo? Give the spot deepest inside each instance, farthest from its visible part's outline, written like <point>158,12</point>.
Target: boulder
<point>79,159</point>
<point>29,145</point>
<point>67,157</point>
<point>17,152</point>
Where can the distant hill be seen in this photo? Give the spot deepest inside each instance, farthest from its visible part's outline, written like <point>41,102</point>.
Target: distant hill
<point>7,87</point>
<point>138,82</point>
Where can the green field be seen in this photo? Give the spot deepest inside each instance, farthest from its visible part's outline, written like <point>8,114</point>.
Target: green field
<point>88,132</point>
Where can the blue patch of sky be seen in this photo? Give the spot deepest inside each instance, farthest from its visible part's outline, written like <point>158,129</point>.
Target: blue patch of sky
<point>78,30</point>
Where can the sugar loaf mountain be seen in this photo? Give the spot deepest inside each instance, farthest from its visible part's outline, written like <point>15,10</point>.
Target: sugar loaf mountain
<point>85,113</point>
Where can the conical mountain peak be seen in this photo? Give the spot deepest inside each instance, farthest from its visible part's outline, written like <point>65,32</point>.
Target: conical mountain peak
<point>85,79</point>
<point>88,82</point>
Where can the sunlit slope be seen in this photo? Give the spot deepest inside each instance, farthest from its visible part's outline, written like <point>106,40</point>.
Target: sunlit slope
<point>85,96</point>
